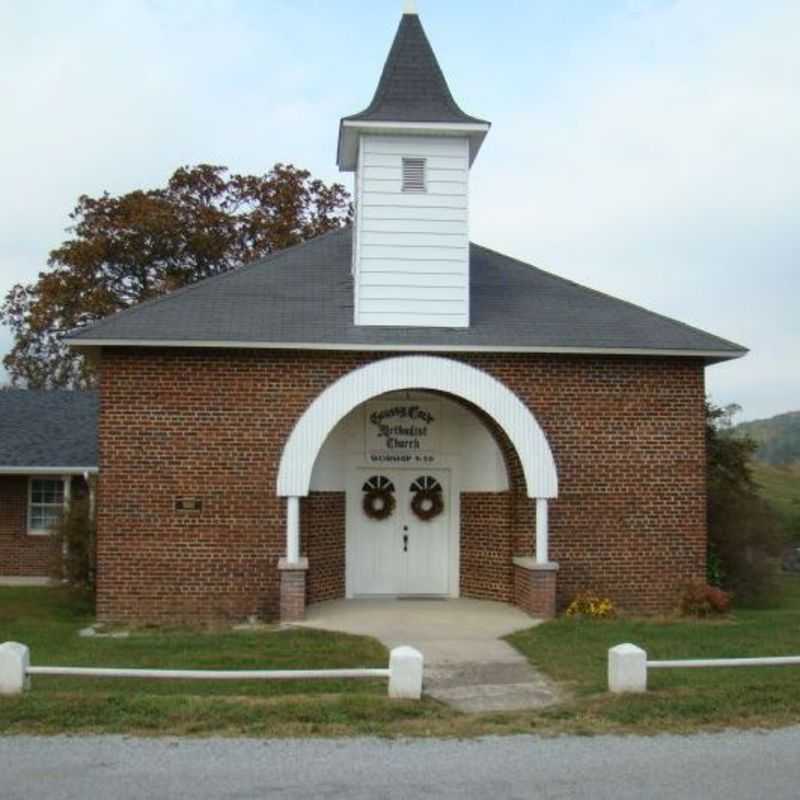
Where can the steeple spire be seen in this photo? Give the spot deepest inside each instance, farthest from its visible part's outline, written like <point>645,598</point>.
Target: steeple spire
<point>412,87</point>
<point>412,92</point>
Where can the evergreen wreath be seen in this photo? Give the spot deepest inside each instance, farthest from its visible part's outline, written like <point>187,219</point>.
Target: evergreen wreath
<point>379,502</point>
<point>427,502</point>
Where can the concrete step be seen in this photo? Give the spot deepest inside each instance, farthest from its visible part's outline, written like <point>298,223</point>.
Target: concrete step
<point>476,673</point>
<point>493,697</point>
<point>476,686</point>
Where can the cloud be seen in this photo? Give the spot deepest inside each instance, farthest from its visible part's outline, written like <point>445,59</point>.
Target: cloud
<point>648,150</point>
<point>665,173</point>
<point>113,96</point>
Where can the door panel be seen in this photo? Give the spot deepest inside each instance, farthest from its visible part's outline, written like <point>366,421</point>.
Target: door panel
<point>377,562</point>
<point>400,555</point>
<point>427,557</point>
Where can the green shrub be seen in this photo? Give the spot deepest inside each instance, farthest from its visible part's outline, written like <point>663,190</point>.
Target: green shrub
<point>76,534</point>
<point>715,569</point>
<point>745,537</point>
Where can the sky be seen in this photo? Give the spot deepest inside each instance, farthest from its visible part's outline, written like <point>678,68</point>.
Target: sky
<point>645,148</point>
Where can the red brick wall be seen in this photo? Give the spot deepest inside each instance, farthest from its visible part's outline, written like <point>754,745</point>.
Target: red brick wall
<point>627,436</point>
<point>486,546</point>
<point>21,555</point>
<point>322,525</point>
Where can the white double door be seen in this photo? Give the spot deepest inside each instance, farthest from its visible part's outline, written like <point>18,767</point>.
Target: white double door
<point>399,555</point>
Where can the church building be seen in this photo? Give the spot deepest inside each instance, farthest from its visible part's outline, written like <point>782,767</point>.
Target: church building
<point>390,410</point>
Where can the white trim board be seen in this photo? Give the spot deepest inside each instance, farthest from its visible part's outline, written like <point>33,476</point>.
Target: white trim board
<point>350,130</point>
<point>34,471</point>
<point>406,348</point>
<point>436,127</point>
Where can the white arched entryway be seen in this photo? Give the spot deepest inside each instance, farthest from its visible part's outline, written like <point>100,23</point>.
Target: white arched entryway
<point>416,372</point>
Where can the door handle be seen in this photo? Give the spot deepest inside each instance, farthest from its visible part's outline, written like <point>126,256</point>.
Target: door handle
<point>405,542</point>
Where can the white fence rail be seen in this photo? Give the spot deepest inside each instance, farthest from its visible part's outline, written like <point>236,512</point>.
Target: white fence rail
<point>211,675</point>
<point>628,665</point>
<point>776,661</point>
<point>404,672</point>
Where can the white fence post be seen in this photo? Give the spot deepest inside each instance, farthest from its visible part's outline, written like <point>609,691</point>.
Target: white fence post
<point>15,658</point>
<point>405,673</point>
<point>627,669</point>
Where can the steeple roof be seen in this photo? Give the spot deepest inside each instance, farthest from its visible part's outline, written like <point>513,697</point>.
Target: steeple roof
<point>412,87</point>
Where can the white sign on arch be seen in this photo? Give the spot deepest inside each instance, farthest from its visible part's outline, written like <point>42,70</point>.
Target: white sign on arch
<point>403,432</point>
<point>423,373</point>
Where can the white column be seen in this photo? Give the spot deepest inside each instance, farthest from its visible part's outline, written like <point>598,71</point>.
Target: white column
<point>90,486</point>
<point>67,491</point>
<point>67,479</point>
<point>293,529</point>
<point>542,555</point>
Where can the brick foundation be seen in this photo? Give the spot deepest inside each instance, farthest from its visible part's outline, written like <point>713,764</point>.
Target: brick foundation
<point>627,435</point>
<point>293,590</point>
<point>535,587</point>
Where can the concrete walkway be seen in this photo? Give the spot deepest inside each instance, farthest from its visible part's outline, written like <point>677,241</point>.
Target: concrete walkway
<point>466,663</point>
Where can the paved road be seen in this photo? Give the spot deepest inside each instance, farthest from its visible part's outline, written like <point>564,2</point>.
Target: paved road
<point>727,766</point>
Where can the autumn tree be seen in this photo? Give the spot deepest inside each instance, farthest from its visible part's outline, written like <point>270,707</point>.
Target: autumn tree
<point>123,250</point>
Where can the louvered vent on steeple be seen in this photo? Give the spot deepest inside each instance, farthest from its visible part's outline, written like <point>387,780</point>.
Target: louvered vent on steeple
<point>413,174</point>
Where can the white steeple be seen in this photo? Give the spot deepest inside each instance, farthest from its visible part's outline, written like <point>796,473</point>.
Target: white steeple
<point>411,150</point>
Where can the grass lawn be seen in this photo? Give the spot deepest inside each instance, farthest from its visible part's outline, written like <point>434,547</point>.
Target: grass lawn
<point>47,620</point>
<point>781,487</point>
<point>679,699</point>
<point>572,652</point>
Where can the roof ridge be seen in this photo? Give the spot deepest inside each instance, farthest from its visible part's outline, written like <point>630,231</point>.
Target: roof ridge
<point>76,332</point>
<point>605,295</point>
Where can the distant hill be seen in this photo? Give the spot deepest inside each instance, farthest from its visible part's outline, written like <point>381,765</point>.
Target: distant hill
<point>780,487</point>
<point>778,438</point>
<point>776,466</point>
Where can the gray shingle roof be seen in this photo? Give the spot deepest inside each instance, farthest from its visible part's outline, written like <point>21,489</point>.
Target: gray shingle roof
<point>48,429</point>
<point>304,296</point>
<point>412,87</point>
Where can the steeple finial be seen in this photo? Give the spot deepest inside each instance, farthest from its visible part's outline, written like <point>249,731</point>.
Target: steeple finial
<point>410,7</point>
